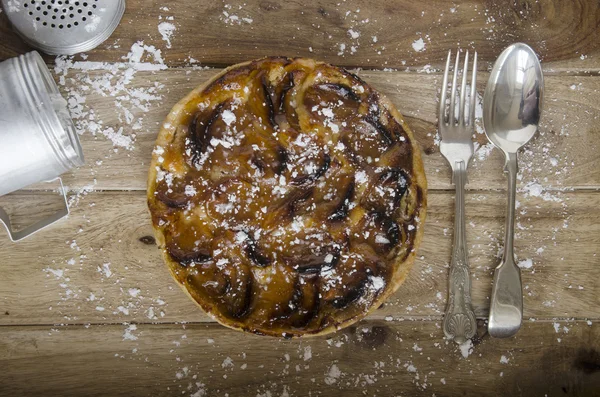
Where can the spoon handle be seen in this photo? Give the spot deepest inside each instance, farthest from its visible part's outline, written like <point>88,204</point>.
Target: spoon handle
<point>459,320</point>
<point>506,309</point>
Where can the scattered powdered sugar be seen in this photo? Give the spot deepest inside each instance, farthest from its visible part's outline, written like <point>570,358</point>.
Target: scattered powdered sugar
<point>201,392</point>
<point>105,269</point>
<point>534,189</point>
<point>333,374</point>
<point>228,362</point>
<point>117,137</point>
<point>13,6</point>
<point>58,273</point>
<point>525,264</point>
<point>352,44</point>
<point>307,353</point>
<point>166,30</point>
<point>190,191</point>
<point>537,190</point>
<point>377,282</point>
<point>183,373</point>
<point>77,194</point>
<point>483,152</point>
<point>418,45</point>
<point>381,239</point>
<point>80,79</point>
<point>556,327</point>
<point>354,34</point>
<point>466,348</point>
<point>239,18</point>
<point>361,177</point>
<point>128,334</point>
<point>93,24</point>
<point>228,117</point>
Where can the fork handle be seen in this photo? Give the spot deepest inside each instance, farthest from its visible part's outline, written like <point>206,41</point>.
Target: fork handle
<point>459,320</point>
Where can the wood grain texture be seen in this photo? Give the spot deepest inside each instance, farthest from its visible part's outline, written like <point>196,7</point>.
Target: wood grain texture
<point>101,265</point>
<point>376,359</point>
<point>128,329</point>
<point>563,155</point>
<point>560,31</point>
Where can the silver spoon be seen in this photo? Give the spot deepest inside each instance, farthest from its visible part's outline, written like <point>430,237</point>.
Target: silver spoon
<point>512,104</point>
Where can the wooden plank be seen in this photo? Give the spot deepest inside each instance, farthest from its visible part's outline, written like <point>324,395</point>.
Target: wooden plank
<point>101,265</point>
<point>565,33</point>
<point>563,155</point>
<point>374,358</point>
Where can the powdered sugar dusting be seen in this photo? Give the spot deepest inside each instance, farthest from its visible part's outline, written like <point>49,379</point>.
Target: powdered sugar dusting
<point>235,15</point>
<point>82,78</point>
<point>418,45</point>
<point>228,117</point>
<point>333,374</point>
<point>14,6</point>
<point>525,264</point>
<point>166,30</point>
<point>466,348</point>
<point>129,333</point>
<point>92,26</point>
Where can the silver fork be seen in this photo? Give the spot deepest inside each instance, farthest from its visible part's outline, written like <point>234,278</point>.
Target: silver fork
<point>457,147</point>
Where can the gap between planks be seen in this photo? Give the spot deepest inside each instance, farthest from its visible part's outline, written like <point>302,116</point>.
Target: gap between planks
<point>366,322</point>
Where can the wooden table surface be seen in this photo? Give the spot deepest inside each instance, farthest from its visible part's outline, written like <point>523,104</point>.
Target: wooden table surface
<point>87,307</point>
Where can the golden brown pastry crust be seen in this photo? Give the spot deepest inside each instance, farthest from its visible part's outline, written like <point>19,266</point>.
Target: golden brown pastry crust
<point>287,196</point>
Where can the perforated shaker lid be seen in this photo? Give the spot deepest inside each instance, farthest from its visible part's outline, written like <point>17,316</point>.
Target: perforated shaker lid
<point>64,27</point>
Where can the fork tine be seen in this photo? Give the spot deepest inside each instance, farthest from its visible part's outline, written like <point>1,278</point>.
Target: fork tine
<point>473,91</point>
<point>451,117</point>
<point>463,89</point>
<point>443,93</point>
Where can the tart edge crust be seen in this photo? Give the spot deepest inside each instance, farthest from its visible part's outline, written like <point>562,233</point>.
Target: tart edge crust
<point>399,274</point>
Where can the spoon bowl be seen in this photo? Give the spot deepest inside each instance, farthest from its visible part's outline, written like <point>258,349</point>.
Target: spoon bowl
<point>513,98</point>
<point>512,104</point>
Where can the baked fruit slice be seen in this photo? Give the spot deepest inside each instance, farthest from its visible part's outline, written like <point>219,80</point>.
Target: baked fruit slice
<point>287,196</point>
